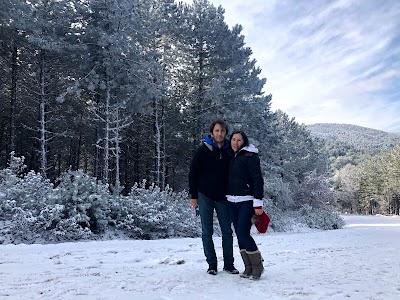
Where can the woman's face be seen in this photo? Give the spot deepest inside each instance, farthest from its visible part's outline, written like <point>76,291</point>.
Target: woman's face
<point>236,142</point>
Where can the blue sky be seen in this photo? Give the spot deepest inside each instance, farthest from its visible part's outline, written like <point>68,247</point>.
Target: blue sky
<point>326,61</point>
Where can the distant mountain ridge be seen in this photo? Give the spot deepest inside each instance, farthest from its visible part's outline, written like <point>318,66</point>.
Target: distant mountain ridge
<point>366,140</point>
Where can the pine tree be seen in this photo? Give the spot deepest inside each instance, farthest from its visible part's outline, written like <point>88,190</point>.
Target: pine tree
<point>115,77</point>
<point>217,68</point>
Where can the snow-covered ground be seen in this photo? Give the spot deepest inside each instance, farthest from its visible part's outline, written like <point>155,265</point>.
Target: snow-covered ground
<point>361,261</point>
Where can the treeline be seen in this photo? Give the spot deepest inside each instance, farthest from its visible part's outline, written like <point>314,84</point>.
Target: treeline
<point>125,90</point>
<point>371,187</point>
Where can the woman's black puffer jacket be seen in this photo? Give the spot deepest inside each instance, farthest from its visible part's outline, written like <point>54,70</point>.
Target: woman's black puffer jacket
<point>245,177</point>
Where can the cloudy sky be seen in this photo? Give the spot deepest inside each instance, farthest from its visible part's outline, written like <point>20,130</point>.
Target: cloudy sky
<point>326,61</point>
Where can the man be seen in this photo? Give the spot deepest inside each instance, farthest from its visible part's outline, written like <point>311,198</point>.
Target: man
<point>207,177</point>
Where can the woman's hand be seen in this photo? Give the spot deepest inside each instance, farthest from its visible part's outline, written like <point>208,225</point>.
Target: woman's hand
<point>258,210</point>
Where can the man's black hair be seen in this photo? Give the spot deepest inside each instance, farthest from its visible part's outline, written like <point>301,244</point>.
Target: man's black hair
<point>219,122</point>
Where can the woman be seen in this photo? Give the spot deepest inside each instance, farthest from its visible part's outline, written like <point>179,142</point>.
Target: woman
<point>245,190</point>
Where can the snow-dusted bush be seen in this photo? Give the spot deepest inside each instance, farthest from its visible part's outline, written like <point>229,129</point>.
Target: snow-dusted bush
<point>22,222</point>
<point>323,217</point>
<point>9,177</point>
<point>85,201</point>
<point>150,213</point>
<point>15,168</point>
<point>30,192</point>
<point>48,226</point>
<point>6,208</point>
<point>74,210</point>
<point>184,223</point>
<point>27,191</point>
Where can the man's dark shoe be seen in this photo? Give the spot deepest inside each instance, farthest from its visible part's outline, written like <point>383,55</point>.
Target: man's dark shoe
<point>231,270</point>
<point>212,270</point>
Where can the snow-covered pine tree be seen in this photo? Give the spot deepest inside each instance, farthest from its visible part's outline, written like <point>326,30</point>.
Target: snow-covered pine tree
<point>113,32</point>
<point>45,28</point>
<point>158,41</point>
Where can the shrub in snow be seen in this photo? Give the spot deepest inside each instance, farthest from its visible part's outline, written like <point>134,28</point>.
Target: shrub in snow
<point>9,177</point>
<point>30,192</point>
<point>48,226</point>
<point>323,217</point>
<point>70,229</point>
<point>74,210</point>
<point>22,222</point>
<point>27,191</point>
<point>6,208</point>
<point>85,201</point>
<point>150,213</point>
<point>16,167</point>
<point>184,222</point>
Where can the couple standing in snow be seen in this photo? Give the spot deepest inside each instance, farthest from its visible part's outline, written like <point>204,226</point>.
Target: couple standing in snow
<point>225,176</point>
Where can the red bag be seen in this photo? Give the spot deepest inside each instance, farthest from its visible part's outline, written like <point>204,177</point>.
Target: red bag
<point>261,222</point>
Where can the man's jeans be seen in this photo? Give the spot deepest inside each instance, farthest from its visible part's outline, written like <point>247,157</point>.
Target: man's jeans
<point>241,214</point>
<point>206,209</point>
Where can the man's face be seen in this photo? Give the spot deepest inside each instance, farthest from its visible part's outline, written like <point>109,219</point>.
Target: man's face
<point>219,134</point>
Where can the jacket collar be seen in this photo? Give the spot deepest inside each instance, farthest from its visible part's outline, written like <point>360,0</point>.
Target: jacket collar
<point>209,142</point>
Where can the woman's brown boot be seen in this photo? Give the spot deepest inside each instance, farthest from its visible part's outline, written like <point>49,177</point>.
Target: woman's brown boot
<point>256,264</point>
<point>247,264</point>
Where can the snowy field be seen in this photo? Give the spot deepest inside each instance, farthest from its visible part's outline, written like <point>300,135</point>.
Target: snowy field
<point>361,261</point>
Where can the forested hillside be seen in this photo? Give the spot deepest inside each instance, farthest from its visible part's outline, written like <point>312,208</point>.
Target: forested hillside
<point>361,139</point>
<point>365,167</point>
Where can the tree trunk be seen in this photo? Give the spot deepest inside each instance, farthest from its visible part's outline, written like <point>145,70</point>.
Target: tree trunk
<point>106,167</point>
<point>13,99</point>
<point>157,128</point>
<point>164,170</point>
<point>78,151</point>
<point>117,188</point>
<point>199,102</point>
<point>97,144</point>
<point>42,111</point>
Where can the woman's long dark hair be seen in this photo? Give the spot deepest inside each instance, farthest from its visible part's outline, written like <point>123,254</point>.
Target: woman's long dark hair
<point>244,136</point>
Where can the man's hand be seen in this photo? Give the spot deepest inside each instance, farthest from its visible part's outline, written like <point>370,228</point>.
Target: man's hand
<point>193,203</point>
